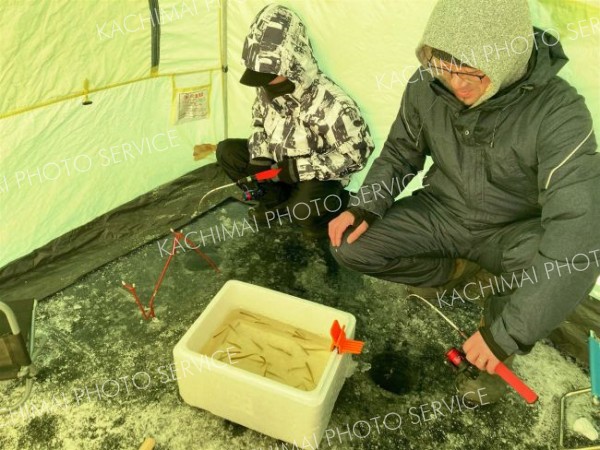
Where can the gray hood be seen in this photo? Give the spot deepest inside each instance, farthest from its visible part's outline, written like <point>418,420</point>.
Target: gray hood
<point>493,36</point>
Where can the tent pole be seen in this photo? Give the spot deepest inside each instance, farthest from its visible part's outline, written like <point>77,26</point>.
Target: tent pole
<point>224,66</point>
<point>154,36</point>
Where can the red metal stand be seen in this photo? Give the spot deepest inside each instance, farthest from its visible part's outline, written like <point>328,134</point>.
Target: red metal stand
<point>147,314</point>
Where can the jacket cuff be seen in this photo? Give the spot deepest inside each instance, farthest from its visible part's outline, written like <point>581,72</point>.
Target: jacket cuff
<point>494,330</point>
<point>306,171</point>
<point>262,161</point>
<point>293,168</point>
<point>498,351</point>
<point>361,214</point>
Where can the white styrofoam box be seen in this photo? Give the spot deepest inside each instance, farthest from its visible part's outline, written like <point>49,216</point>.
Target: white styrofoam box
<point>262,404</point>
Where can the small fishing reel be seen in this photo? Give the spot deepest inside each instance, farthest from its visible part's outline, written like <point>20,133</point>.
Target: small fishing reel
<point>457,359</point>
<point>252,193</point>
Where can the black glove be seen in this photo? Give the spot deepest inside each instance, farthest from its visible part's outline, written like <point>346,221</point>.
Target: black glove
<point>289,171</point>
<point>361,214</point>
<point>258,165</point>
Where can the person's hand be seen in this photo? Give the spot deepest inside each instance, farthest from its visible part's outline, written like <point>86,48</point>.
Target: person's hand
<point>289,171</point>
<point>340,224</point>
<point>479,354</point>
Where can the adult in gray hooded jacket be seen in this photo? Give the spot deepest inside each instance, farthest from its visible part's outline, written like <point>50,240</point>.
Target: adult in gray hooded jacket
<point>303,123</point>
<point>515,181</point>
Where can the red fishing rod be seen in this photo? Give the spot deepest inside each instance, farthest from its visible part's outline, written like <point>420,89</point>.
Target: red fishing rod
<point>458,359</point>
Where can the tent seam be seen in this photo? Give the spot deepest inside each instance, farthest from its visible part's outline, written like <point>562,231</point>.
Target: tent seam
<point>82,93</point>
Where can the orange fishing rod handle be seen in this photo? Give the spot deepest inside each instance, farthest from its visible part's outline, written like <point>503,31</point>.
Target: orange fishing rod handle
<point>515,382</point>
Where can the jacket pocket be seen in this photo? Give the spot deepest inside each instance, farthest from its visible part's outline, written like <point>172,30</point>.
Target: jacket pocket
<point>507,171</point>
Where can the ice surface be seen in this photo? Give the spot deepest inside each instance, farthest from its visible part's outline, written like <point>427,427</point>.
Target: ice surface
<point>91,338</point>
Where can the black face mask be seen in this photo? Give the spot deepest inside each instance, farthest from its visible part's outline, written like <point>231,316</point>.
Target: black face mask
<point>276,90</point>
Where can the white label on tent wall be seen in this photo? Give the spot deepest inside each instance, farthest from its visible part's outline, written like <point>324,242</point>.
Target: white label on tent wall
<point>192,104</point>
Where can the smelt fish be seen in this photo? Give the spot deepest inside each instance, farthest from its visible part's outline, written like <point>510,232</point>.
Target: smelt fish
<point>280,349</point>
<point>310,372</point>
<point>235,358</point>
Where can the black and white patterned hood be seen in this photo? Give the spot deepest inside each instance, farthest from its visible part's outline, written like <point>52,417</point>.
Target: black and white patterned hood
<point>278,44</point>
<point>318,124</point>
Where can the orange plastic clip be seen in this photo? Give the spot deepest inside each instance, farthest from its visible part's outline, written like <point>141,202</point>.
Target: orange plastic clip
<point>344,345</point>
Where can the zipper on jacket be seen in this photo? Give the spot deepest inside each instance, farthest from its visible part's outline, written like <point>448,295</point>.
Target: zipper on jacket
<point>482,174</point>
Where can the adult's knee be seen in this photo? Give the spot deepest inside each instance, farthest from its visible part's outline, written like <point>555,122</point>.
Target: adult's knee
<point>522,251</point>
<point>231,150</point>
<point>355,257</point>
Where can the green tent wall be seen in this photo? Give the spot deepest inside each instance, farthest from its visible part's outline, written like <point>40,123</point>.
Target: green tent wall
<point>64,164</point>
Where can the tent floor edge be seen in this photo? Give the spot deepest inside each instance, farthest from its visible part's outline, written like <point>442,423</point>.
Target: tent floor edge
<point>144,219</point>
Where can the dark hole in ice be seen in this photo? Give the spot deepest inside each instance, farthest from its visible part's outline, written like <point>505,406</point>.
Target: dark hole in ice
<point>394,372</point>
